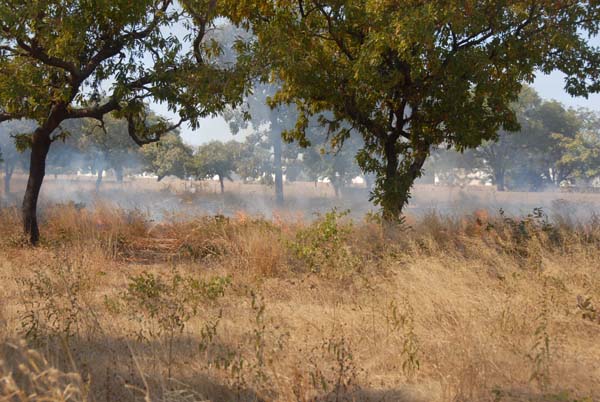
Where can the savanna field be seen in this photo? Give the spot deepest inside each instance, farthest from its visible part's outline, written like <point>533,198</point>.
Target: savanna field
<point>299,201</point>
<point>116,305</point>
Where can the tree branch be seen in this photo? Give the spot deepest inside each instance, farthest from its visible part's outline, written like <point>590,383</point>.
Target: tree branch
<point>133,131</point>
<point>114,47</point>
<point>35,51</point>
<point>7,116</point>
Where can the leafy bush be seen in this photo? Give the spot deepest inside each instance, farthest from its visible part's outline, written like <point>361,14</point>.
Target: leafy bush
<point>323,246</point>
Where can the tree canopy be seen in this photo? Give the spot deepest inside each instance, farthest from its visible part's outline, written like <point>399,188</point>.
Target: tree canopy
<point>409,75</point>
<point>217,159</point>
<point>73,59</point>
<point>168,157</point>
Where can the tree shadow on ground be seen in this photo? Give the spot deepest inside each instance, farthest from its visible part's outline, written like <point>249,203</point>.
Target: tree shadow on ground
<point>118,369</point>
<point>371,395</point>
<point>526,395</point>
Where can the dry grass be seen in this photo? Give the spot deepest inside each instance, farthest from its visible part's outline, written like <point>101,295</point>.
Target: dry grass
<point>114,307</point>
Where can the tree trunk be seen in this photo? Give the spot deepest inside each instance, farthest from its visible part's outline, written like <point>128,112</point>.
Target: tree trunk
<point>99,179</point>
<point>277,167</point>
<point>221,182</point>
<point>499,177</point>
<point>37,170</point>
<point>398,182</point>
<point>8,172</point>
<point>336,188</point>
<point>119,174</point>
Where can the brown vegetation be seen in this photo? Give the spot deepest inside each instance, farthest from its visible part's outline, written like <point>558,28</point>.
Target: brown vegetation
<point>114,307</point>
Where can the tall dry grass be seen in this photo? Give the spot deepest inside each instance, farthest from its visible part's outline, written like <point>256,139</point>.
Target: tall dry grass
<point>115,307</point>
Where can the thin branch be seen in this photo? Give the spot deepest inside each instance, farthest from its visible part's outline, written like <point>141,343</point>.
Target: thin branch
<point>338,40</point>
<point>94,112</point>
<point>114,47</point>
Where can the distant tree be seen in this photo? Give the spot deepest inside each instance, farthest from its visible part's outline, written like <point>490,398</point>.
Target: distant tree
<point>554,124</point>
<point>57,58</point>
<point>581,153</point>
<point>216,159</point>
<point>256,159</point>
<point>268,123</point>
<point>409,75</point>
<point>107,145</point>
<point>168,157</point>
<point>66,154</point>
<point>500,156</point>
<point>11,157</point>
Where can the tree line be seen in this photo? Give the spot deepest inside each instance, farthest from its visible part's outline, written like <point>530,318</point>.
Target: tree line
<point>94,149</point>
<point>554,147</point>
<point>407,77</point>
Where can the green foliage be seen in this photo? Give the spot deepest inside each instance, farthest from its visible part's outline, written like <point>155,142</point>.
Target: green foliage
<point>162,308</point>
<point>266,155</point>
<point>216,159</point>
<point>168,157</point>
<point>171,303</point>
<point>68,60</point>
<point>581,153</point>
<point>255,160</point>
<point>337,164</point>
<point>15,138</point>
<point>323,247</point>
<point>250,362</point>
<point>107,145</point>
<point>52,50</point>
<point>411,75</point>
<point>535,227</point>
<point>555,147</point>
<point>401,319</point>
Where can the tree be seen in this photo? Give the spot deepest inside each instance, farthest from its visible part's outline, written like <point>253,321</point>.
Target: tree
<point>109,146</point>
<point>256,160</point>
<point>581,153</point>
<point>11,157</point>
<point>217,159</point>
<point>168,157</point>
<point>409,75</point>
<point>58,59</point>
<point>556,125</point>
<point>268,123</point>
<point>449,166</point>
<point>499,156</point>
<point>530,159</point>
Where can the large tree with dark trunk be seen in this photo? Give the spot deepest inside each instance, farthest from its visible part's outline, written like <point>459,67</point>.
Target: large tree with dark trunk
<point>411,74</point>
<point>72,59</point>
